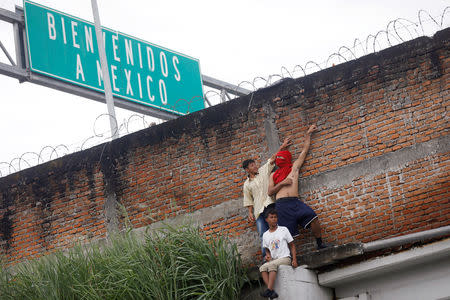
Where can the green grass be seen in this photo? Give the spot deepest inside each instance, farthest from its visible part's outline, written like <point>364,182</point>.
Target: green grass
<point>170,263</point>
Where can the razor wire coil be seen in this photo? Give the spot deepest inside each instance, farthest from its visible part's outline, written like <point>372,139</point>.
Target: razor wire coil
<point>397,31</point>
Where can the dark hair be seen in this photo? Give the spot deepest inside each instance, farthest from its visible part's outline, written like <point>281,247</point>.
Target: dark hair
<point>271,211</point>
<point>246,163</point>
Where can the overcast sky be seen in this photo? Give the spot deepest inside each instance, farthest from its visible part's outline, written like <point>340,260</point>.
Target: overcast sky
<point>235,41</point>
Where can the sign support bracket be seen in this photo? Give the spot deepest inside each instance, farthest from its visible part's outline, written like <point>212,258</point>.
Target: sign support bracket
<point>7,54</point>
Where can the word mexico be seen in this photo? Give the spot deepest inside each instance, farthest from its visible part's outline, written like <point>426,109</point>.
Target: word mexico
<point>65,47</point>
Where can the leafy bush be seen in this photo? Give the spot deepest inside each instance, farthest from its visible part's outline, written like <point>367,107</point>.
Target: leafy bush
<point>171,263</point>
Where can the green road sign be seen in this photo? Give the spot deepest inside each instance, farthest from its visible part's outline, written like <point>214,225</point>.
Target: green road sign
<point>65,47</point>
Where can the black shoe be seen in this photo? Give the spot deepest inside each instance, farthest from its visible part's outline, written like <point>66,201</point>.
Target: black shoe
<point>266,294</point>
<point>324,245</point>
<point>273,295</point>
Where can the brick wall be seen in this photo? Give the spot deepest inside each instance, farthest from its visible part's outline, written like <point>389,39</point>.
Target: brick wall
<point>378,166</point>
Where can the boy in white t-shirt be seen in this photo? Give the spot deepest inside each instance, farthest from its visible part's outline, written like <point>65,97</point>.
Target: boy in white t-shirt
<point>280,250</point>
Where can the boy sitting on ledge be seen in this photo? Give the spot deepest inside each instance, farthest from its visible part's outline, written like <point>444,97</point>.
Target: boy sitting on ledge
<point>280,250</point>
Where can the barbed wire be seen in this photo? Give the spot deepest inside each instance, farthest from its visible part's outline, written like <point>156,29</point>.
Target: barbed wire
<point>48,152</point>
<point>397,31</point>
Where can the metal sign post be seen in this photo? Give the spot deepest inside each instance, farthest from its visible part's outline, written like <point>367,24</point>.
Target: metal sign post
<point>105,72</point>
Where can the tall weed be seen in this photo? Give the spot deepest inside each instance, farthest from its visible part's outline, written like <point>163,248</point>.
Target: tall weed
<point>170,263</point>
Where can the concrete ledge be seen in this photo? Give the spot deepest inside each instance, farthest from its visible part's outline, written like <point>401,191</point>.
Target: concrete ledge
<point>331,255</point>
<point>383,265</point>
<point>300,273</point>
<point>300,283</point>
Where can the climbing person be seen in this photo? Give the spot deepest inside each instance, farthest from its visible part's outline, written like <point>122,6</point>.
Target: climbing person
<point>292,212</point>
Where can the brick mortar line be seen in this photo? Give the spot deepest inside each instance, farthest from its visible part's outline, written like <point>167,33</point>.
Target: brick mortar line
<point>201,216</point>
<point>391,161</point>
<point>212,213</point>
<point>335,178</point>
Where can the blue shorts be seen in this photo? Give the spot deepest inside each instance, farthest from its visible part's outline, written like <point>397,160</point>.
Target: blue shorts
<point>293,212</point>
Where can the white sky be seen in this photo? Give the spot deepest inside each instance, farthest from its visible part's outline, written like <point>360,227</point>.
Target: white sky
<point>235,41</point>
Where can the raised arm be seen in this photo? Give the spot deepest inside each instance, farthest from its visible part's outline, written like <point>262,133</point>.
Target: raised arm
<point>286,143</point>
<point>301,158</point>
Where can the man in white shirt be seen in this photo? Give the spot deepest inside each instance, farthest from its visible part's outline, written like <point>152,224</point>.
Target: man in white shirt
<point>255,190</point>
<point>280,250</point>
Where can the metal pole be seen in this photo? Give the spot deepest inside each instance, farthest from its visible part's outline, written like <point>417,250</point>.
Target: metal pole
<point>207,101</point>
<point>105,72</point>
<point>222,85</point>
<point>7,54</point>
